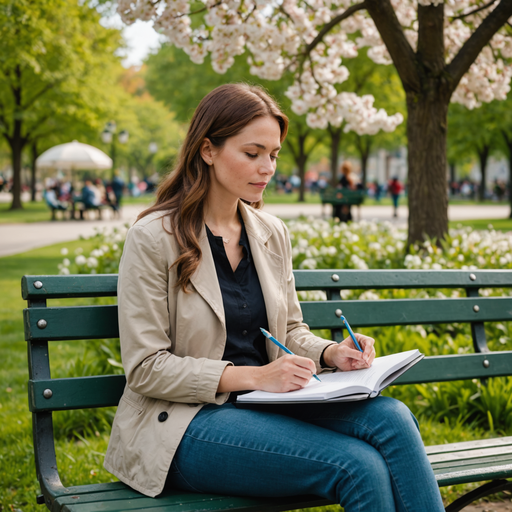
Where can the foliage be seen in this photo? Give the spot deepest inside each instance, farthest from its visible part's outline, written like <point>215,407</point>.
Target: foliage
<point>56,66</point>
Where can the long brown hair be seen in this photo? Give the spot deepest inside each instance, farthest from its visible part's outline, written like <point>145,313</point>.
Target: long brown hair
<point>221,114</point>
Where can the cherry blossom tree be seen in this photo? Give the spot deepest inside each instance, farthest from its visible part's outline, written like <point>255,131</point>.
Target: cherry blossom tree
<point>451,50</point>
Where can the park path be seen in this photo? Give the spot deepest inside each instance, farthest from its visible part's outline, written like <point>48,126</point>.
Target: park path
<point>17,238</point>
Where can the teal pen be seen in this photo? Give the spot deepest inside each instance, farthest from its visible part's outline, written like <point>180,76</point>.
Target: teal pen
<point>351,333</point>
<point>281,346</point>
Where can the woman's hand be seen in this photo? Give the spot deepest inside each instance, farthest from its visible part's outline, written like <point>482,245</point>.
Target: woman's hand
<point>288,373</point>
<point>346,357</point>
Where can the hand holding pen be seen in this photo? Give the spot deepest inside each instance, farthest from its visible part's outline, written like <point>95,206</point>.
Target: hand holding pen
<point>286,349</point>
<point>347,358</point>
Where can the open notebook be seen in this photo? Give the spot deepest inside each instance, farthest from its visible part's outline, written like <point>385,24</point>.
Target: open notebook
<point>344,386</point>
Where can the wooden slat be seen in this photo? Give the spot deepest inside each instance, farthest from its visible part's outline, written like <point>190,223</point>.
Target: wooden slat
<point>458,367</point>
<point>76,393</point>
<point>121,500</point>
<point>71,323</point>
<point>388,279</point>
<point>366,313</point>
<point>104,285</point>
<point>106,390</point>
<point>79,285</point>
<point>493,453</point>
<point>505,442</point>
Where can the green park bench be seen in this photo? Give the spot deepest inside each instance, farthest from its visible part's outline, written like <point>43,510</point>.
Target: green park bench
<point>341,196</point>
<point>458,463</point>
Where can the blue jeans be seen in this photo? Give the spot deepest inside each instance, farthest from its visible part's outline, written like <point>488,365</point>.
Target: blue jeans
<point>367,456</point>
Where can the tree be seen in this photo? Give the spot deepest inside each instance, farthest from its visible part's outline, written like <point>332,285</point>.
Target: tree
<point>442,51</point>
<point>55,63</point>
<point>476,132</point>
<point>369,79</point>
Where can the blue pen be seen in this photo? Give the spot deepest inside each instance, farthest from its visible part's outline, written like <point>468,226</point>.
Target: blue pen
<point>351,333</point>
<point>280,345</point>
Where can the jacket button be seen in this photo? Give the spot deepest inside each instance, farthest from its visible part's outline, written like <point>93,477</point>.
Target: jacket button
<point>162,416</point>
<point>244,332</point>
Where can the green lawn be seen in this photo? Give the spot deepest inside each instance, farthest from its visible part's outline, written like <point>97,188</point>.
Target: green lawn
<point>497,224</point>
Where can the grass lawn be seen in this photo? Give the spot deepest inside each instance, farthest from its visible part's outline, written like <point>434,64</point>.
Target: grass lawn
<point>80,461</point>
<point>497,224</point>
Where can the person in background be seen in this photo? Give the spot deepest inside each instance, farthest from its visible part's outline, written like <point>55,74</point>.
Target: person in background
<point>117,188</point>
<point>347,180</point>
<point>394,188</point>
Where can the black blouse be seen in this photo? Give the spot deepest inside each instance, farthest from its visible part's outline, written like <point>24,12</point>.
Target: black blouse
<point>244,305</point>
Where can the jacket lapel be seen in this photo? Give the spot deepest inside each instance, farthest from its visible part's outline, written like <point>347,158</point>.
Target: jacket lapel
<point>270,268</point>
<point>205,279</point>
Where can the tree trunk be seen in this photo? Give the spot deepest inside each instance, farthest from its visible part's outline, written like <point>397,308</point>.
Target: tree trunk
<point>16,154</point>
<point>483,156</point>
<point>508,142</point>
<point>17,142</point>
<point>426,132</point>
<point>364,154</point>
<point>452,177</point>
<point>335,148</point>
<point>34,154</point>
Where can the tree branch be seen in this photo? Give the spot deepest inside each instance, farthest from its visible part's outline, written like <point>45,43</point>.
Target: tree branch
<point>39,94</point>
<point>291,148</point>
<point>474,11</point>
<point>335,21</point>
<point>392,34</point>
<point>480,37</point>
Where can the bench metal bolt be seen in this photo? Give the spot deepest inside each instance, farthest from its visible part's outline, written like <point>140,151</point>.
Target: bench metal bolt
<point>335,278</point>
<point>42,323</point>
<point>476,308</point>
<point>486,363</point>
<point>38,285</point>
<point>47,393</point>
<point>338,313</point>
<point>472,277</point>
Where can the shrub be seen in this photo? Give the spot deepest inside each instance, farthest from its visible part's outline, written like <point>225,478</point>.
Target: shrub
<point>321,244</point>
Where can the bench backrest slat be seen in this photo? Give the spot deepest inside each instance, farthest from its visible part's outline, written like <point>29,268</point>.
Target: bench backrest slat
<point>96,322</point>
<point>71,323</point>
<point>57,287</point>
<point>76,393</point>
<point>401,279</point>
<point>106,390</point>
<point>366,313</point>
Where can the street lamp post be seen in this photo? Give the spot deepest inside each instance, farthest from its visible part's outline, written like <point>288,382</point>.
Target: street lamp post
<point>107,136</point>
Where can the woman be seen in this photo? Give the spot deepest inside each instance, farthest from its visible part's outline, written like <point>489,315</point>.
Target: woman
<point>202,271</point>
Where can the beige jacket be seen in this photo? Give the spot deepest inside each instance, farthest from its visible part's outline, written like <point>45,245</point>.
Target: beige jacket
<point>172,342</point>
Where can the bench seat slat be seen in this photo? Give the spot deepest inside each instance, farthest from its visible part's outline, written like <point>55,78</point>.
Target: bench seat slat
<point>177,501</point>
<point>321,314</point>
<point>477,462</point>
<point>62,287</point>
<point>472,454</point>
<point>71,323</point>
<point>469,445</point>
<point>454,476</point>
<point>403,279</point>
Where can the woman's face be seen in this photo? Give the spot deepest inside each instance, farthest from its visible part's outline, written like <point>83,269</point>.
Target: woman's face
<point>243,167</point>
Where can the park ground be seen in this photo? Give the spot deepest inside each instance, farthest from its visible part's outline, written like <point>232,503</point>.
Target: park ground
<point>80,457</point>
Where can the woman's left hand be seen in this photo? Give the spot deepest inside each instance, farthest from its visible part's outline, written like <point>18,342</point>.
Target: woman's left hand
<point>346,357</point>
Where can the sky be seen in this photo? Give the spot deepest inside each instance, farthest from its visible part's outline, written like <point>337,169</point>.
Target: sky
<point>140,37</point>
